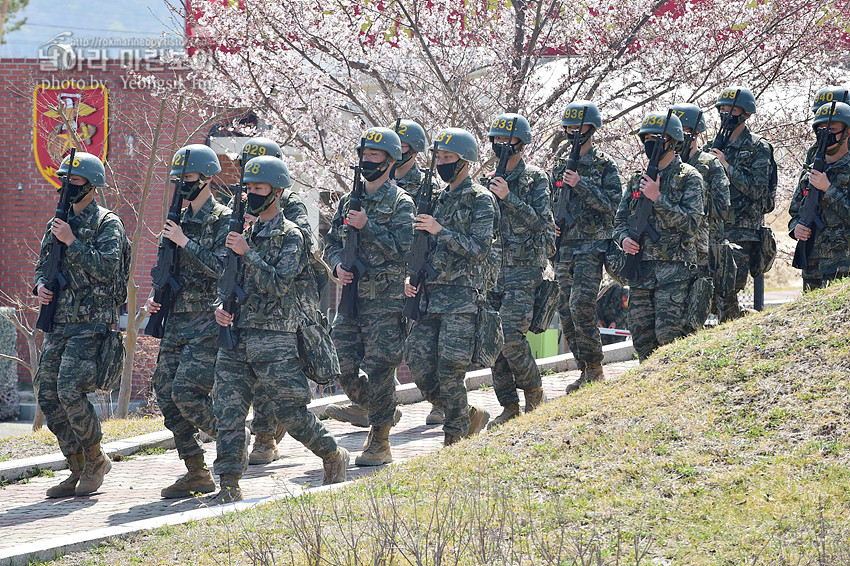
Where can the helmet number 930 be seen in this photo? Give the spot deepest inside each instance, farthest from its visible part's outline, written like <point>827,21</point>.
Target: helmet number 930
<point>374,136</point>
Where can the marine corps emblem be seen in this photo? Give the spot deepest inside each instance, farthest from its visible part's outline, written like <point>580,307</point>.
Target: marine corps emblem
<point>63,114</point>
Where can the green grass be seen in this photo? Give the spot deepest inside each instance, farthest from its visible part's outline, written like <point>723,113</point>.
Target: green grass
<point>729,447</point>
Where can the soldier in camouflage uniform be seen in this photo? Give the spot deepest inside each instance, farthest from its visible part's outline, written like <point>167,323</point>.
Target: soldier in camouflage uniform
<point>277,281</point>
<point>716,197</point>
<point>183,379</point>
<point>829,258</point>
<point>85,311</point>
<point>612,309</point>
<point>747,159</point>
<point>375,338</point>
<point>658,295</point>
<point>526,219</point>
<point>440,346</point>
<point>594,191</point>
<point>826,95</point>
<point>267,431</point>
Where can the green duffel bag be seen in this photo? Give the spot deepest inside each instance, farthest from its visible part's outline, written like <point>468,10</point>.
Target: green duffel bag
<point>489,337</point>
<point>545,306</point>
<point>766,253</point>
<point>317,353</point>
<point>110,360</point>
<point>699,303</point>
<point>723,268</point>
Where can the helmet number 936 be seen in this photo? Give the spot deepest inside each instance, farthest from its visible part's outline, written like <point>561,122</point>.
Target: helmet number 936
<point>374,136</point>
<point>574,113</point>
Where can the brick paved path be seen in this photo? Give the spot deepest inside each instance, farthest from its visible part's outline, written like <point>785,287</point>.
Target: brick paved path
<point>131,490</point>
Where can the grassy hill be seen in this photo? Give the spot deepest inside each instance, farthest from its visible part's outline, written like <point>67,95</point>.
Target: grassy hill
<point>729,447</point>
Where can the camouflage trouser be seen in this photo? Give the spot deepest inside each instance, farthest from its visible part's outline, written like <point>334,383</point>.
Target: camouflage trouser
<point>374,342</point>
<point>729,307</point>
<point>438,352</point>
<point>579,281</point>
<point>817,281</point>
<point>515,367</point>
<point>183,381</point>
<point>269,360</point>
<point>656,316</point>
<point>67,371</point>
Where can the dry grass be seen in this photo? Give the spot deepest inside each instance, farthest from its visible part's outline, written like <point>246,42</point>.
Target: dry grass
<point>730,447</point>
<point>43,442</point>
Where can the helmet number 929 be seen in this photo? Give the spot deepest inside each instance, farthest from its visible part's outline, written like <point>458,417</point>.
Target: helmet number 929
<point>255,149</point>
<point>374,136</point>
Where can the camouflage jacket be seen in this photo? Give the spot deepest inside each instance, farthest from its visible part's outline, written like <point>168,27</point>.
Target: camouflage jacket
<point>411,183</point>
<point>749,160</point>
<point>525,218</point>
<point>593,202</point>
<point>461,249</point>
<point>275,278</point>
<point>832,243</point>
<point>89,264</point>
<point>676,215</point>
<point>295,211</point>
<point>201,262</point>
<point>715,200</point>
<point>384,241</point>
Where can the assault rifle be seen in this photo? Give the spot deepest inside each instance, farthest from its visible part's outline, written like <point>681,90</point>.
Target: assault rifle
<point>563,218</point>
<point>164,272</point>
<point>55,281</point>
<point>727,125</point>
<point>229,288</point>
<point>350,252</point>
<point>507,150</point>
<point>639,220</point>
<point>418,260</point>
<point>810,209</point>
<point>689,137</point>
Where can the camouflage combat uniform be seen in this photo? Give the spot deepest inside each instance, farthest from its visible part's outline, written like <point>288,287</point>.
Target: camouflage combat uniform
<point>749,162</point>
<point>294,210</point>
<point>440,346</point>
<point>525,225</point>
<point>85,311</point>
<point>582,252</point>
<point>276,280</point>
<point>830,257</point>
<point>713,229</point>
<point>412,183</point>
<point>658,295</point>
<point>612,307</point>
<point>184,374</point>
<point>375,339</point>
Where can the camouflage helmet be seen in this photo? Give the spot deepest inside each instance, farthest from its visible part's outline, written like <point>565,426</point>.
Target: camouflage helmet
<point>746,101</point>
<point>267,169</point>
<point>411,133</point>
<point>653,123</point>
<point>688,114</point>
<point>458,141</point>
<point>829,94</point>
<point>574,112</point>
<point>383,139</point>
<point>502,124</point>
<point>840,114</point>
<point>202,160</point>
<point>256,147</point>
<point>85,165</point>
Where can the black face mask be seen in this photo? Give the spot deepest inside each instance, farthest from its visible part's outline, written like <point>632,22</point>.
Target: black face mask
<point>256,204</point>
<point>373,171</point>
<point>448,171</point>
<point>583,138</point>
<point>498,148</point>
<point>76,193</point>
<point>190,190</point>
<point>405,157</point>
<point>729,121</point>
<point>649,145</point>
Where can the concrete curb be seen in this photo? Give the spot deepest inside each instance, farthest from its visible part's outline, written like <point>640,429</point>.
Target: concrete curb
<point>405,394</point>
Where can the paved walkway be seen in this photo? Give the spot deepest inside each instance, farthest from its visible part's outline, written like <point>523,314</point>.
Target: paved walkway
<point>33,525</point>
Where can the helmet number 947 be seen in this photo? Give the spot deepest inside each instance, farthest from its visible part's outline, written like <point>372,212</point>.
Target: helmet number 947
<point>374,136</point>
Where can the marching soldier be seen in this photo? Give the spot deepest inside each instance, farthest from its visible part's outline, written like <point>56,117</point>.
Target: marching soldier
<point>440,346</point>
<point>594,191</point>
<point>525,224</point>
<point>277,281</point>
<point>86,309</point>
<point>658,294</point>
<point>829,258</point>
<point>374,340</point>
<point>183,379</point>
<point>748,161</point>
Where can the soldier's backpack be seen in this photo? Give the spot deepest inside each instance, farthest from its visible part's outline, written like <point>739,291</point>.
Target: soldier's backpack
<point>118,289</point>
<point>768,201</point>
